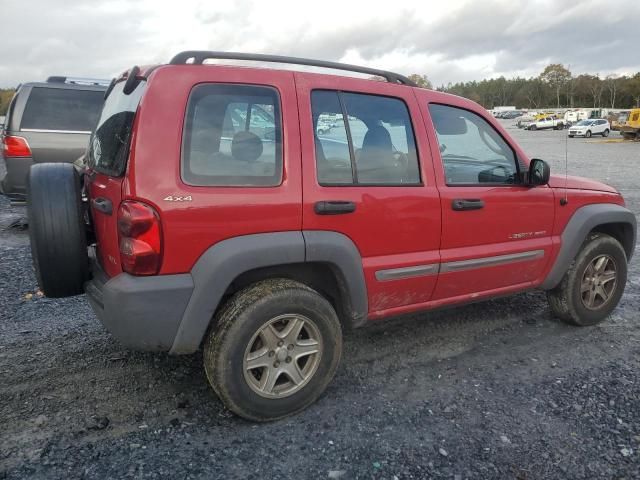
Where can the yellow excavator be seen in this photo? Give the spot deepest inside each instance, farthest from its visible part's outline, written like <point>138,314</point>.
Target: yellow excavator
<point>630,129</point>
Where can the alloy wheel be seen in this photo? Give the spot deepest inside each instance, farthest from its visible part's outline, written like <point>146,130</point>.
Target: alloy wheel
<point>282,356</point>
<point>599,281</point>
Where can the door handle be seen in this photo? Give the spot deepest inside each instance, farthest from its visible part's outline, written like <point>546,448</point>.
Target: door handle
<point>103,205</point>
<point>334,207</point>
<point>467,204</point>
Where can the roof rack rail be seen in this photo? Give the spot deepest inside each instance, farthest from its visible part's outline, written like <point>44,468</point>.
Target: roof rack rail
<point>199,56</point>
<point>78,80</point>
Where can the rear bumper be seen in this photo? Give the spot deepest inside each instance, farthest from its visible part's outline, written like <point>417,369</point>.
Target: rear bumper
<point>14,183</point>
<point>141,312</point>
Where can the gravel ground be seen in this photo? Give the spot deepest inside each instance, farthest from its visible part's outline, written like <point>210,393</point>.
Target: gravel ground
<point>494,390</point>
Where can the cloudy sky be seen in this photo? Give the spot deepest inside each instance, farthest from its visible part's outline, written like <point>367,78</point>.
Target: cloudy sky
<point>448,40</point>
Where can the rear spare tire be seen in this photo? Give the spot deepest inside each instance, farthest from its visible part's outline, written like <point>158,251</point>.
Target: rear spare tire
<point>57,230</point>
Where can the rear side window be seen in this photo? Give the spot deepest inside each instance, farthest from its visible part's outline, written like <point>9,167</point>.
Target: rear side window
<point>60,109</point>
<point>363,139</point>
<point>109,144</point>
<point>232,137</point>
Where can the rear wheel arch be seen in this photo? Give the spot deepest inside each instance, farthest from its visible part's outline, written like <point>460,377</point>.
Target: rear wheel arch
<point>310,257</point>
<point>323,277</point>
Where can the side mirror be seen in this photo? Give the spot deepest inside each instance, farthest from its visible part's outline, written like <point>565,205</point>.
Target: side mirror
<point>539,172</point>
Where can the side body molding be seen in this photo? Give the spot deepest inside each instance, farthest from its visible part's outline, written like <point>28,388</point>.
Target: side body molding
<point>341,254</point>
<point>219,266</point>
<point>582,222</point>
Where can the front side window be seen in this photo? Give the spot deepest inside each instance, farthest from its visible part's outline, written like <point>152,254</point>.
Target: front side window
<point>232,136</point>
<point>472,151</point>
<point>62,109</point>
<point>363,139</point>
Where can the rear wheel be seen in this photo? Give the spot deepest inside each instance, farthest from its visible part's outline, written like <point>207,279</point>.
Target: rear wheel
<point>594,283</point>
<point>57,229</point>
<point>274,348</point>
<point>533,127</point>
<point>605,133</point>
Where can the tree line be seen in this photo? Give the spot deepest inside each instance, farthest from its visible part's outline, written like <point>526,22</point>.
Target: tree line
<point>6,94</point>
<point>555,87</point>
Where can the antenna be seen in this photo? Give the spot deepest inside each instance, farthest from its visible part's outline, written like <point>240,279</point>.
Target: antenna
<point>564,200</point>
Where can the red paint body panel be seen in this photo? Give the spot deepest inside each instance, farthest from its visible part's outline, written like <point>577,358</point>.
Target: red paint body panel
<point>393,226</point>
<point>215,213</point>
<point>579,183</point>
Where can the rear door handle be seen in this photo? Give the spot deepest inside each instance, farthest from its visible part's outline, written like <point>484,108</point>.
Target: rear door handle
<point>103,205</point>
<point>467,204</point>
<point>334,207</point>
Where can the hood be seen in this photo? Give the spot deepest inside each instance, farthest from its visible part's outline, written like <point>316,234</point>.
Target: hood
<point>579,183</point>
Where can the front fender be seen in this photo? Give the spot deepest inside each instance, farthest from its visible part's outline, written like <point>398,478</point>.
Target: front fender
<point>583,221</point>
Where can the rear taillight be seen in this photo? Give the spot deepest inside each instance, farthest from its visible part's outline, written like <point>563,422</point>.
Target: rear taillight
<point>15,147</point>
<point>140,238</point>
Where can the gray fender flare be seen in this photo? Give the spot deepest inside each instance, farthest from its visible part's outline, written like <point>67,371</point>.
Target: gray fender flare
<point>219,266</point>
<point>225,261</point>
<point>345,260</point>
<point>581,223</point>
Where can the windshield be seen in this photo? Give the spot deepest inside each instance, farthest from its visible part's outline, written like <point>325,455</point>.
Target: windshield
<point>109,145</point>
<point>584,123</point>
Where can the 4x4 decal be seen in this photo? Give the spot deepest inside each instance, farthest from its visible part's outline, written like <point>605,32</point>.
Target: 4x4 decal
<point>178,198</point>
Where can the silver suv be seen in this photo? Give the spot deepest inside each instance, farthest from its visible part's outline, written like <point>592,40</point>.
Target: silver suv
<point>48,122</point>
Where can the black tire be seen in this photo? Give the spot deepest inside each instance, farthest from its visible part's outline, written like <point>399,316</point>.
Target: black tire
<point>533,127</point>
<point>57,230</point>
<point>570,136</point>
<point>232,332</point>
<point>566,300</point>
<point>605,133</point>
<point>588,134</point>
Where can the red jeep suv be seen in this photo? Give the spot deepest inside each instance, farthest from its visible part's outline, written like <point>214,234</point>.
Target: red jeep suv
<point>257,213</point>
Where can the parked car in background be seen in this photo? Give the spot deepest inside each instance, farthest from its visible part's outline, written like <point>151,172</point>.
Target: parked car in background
<point>324,126</point>
<point>546,123</point>
<point>261,253</point>
<point>48,122</point>
<point>587,128</point>
<point>510,115</point>
<point>524,121</point>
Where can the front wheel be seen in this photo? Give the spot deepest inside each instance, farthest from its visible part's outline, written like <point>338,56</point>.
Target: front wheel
<point>273,349</point>
<point>588,134</point>
<point>594,283</point>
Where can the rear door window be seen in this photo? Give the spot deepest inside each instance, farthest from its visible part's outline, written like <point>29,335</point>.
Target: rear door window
<point>363,139</point>
<point>109,144</point>
<point>232,137</point>
<point>62,109</point>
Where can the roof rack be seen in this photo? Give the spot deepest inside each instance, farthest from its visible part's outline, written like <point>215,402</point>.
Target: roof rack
<point>199,56</point>
<point>78,80</point>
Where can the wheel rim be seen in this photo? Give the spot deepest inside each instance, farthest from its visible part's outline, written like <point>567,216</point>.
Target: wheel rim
<point>599,281</point>
<point>282,356</point>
